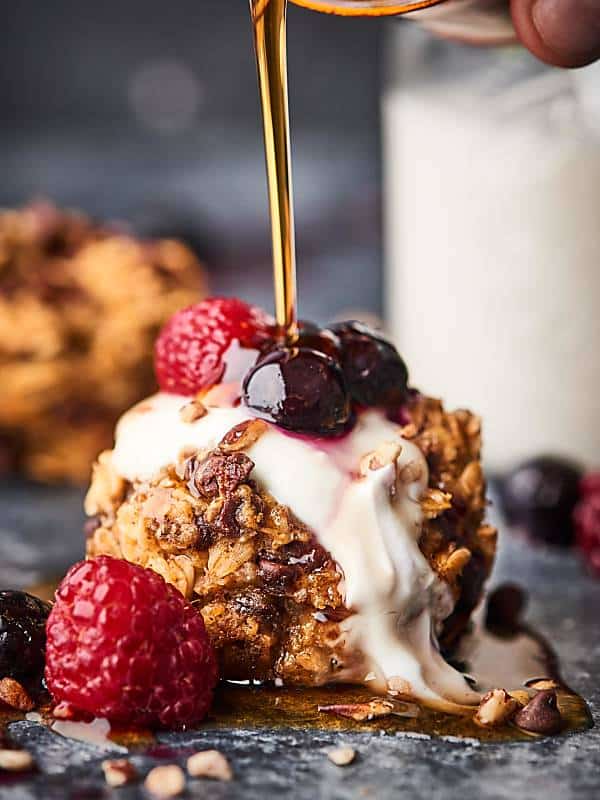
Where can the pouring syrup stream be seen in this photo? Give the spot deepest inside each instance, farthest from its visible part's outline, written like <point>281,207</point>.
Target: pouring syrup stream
<point>269,24</point>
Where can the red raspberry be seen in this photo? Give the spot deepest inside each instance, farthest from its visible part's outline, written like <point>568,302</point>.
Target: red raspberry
<point>123,644</point>
<point>188,355</point>
<point>587,520</point>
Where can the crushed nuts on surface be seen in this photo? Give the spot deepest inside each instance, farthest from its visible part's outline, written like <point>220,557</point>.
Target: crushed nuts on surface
<point>496,708</point>
<point>542,684</point>
<point>119,771</point>
<point>15,760</point>
<point>167,781</point>
<point>342,756</point>
<point>360,712</point>
<point>209,764</point>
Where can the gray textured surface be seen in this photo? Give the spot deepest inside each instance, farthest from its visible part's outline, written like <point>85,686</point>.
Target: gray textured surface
<point>40,526</point>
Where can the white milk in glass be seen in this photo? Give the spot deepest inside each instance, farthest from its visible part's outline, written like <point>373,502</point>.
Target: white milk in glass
<point>492,175</point>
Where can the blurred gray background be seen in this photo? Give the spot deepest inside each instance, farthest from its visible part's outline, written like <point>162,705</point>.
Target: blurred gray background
<point>148,112</point>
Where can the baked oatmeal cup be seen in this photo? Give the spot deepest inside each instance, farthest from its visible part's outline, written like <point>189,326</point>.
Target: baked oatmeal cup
<point>312,558</point>
<point>80,307</point>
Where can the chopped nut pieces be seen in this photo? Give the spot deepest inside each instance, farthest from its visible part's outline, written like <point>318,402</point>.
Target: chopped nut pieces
<point>14,695</point>
<point>386,454</point>
<point>342,756</point>
<point>118,772</point>
<point>167,781</point>
<point>521,696</point>
<point>15,760</point>
<point>361,712</point>
<point>209,764</point>
<point>243,435</point>
<point>398,687</point>
<point>541,715</point>
<point>541,684</point>
<point>496,708</point>
<point>192,411</point>
<point>434,502</point>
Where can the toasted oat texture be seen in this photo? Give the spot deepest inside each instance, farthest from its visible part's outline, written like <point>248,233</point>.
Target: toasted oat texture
<point>80,307</point>
<point>268,591</point>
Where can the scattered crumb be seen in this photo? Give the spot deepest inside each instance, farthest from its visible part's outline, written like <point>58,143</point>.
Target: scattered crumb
<point>15,760</point>
<point>209,764</point>
<point>342,756</point>
<point>167,781</point>
<point>360,712</point>
<point>118,772</point>
<point>461,740</point>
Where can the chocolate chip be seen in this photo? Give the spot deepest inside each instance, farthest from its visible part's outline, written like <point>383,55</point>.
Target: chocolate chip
<point>309,556</point>
<point>504,608</point>
<point>541,715</point>
<point>218,473</point>
<point>258,604</point>
<point>338,614</point>
<point>226,521</point>
<point>276,576</point>
<point>207,533</point>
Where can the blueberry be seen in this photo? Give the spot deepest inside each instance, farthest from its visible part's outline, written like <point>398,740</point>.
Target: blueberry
<point>22,637</point>
<point>539,497</point>
<point>299,389</point>
<point>375,373</point>
<point>309,336</point>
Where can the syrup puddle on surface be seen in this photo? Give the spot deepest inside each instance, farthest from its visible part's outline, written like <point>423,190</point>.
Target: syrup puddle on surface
<point>509,660</point>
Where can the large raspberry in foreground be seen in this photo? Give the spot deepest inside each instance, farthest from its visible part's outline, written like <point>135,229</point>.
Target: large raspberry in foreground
<point>189,352</point>
<point>123,644</point>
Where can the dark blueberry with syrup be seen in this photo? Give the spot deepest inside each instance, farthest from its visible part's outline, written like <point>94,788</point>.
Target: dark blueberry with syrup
<point>299,389</point>
<point>22,637</point>
<point>539,497</point>
<point>375,373</point>
<point>309,336</point>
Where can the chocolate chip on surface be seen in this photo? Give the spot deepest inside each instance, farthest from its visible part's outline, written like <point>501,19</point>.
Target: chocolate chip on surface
<point>541,715</point>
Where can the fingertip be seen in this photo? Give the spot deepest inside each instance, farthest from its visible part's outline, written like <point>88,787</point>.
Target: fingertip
<point>564,33</point>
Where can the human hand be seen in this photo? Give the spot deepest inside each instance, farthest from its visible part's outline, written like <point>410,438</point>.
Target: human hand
<point>561,32</point>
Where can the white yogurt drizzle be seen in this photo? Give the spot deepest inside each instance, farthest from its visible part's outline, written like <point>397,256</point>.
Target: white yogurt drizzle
<point>370,523</point>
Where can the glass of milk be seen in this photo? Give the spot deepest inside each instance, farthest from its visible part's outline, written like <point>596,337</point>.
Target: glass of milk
<point>492,205</point>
